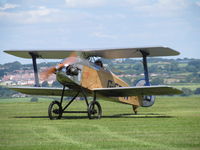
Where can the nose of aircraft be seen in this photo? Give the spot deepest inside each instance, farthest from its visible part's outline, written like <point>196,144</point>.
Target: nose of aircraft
<point>67,75</point>
<point>72,70</point>
<point>66,62</point>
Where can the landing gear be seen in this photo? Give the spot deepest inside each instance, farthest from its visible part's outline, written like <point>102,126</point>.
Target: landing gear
<point>94,110</point>
<point>55,110</point>
<point>135,109</point>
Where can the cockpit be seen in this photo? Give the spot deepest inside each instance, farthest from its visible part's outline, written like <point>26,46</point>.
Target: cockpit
<point>72,66</point>
<point>99,63</point>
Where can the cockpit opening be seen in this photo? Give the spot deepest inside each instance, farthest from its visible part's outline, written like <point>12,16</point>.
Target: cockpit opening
<point>99,63</point>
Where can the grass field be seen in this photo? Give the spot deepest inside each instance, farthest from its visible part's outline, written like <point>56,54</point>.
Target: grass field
<point>191,86</point>
<point>173,123</point>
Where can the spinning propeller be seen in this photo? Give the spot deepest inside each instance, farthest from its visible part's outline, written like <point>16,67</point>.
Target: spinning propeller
<point>52,70</point>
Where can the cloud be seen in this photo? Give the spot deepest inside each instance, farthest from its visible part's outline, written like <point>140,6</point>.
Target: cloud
<point>103,35</point>
<point>8,6</point>
<point>159,7</point>
<point>136,2</point>
<point>41,14</point>
<point>84,3</point>
<point>41,11</point>
<point>198,3</point>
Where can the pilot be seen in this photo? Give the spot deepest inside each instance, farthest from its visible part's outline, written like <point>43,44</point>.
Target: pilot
<point>99,63</point>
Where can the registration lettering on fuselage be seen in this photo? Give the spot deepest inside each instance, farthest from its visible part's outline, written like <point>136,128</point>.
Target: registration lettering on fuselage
<point>111,84</point>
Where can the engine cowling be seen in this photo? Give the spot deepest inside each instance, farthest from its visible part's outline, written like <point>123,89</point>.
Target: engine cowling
<point>72,70</point>
<point>69,76</point>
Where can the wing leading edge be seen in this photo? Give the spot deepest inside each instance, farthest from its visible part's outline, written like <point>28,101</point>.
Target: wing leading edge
<point>137,91</point>
<point>105,53</point>
<point>44,91</point>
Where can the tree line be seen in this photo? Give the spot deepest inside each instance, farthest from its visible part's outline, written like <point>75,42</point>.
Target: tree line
<point>185,70</point>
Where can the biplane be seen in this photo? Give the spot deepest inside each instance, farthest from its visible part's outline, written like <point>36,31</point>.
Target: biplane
<point>82,74</point>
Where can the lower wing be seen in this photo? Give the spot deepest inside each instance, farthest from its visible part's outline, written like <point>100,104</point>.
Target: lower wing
<point>48,91</point>
<point>137,91</point>
<point>109,92</point>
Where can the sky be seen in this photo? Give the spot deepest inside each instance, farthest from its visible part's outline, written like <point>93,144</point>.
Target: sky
<point>67,24</point>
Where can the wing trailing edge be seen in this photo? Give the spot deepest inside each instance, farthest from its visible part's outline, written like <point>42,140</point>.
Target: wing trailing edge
<point>137,91</point>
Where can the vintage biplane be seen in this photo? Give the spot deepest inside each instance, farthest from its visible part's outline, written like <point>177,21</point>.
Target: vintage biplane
<point>82,74</point>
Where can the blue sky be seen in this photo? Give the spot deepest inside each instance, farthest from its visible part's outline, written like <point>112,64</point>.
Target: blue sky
<point>64,24</point>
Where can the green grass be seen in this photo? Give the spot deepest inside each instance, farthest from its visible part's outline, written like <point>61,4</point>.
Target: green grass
<point>173,123</point>
<point>192,86</point>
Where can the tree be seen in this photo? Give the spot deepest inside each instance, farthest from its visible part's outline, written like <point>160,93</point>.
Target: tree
<point>157,81</point>
<point>34,99</point>
<point>186,92</point>
<point>2,73</point>
<point>193,66</point>
<point>197,91</point>
<point>174,66</point>
<point>138,68</point>
<point>13,66</point>
<point>195,63</point>
<point>5,92</point>
<point>193,78</point>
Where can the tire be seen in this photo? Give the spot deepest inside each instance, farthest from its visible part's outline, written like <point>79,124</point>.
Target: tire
<point>55,110</point>
<point>147,101</point>
<point>94,110</point>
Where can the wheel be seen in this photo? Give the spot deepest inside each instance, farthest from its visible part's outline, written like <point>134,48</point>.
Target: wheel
<point>147,101</point>
<point>94,110</point>
<point>55,110</point>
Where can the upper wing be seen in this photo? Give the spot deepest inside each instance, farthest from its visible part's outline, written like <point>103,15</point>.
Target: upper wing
<point>137,91</point>
<point>105,53</point>
<point>133,52</point>
<point>45,91</point>
<point>49,54</point>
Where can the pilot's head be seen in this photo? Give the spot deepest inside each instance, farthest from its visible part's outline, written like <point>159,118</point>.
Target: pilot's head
<point>98,63</point>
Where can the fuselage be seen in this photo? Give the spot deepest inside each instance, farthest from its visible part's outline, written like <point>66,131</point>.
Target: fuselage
<point>87,75</point>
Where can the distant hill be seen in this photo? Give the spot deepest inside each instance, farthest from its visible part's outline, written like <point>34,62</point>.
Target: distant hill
<point>162,71</point>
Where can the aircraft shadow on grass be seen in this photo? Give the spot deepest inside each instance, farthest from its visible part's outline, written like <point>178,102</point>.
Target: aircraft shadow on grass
<point>127,115</point>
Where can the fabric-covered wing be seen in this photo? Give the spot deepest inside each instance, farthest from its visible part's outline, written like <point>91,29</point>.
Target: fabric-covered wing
<point>137,91</point>
<point>44,91</point>
<point>48,54</point>
<point>133,52</point>
<point>105,53</point>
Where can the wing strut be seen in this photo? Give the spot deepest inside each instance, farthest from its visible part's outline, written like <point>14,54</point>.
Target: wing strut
<point>146,73</point>
<point>34,57</point>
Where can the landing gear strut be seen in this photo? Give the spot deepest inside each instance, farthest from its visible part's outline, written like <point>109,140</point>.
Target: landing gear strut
<point>55,110</point>
<point>135,109</point>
